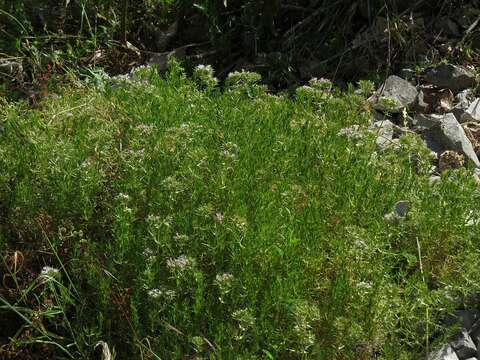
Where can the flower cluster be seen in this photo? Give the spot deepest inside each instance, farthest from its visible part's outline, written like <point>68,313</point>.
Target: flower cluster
<point>321,84</point>
<point>242,78</point>
<point>49,273</point>
<point>224,281</point>
<point>305,315</point>
<point>156,294</point>
<point>180,264</point>
<point>122,196</point>
<point>229,151</point>
<point>204,76</point>
<point>245,319</point>
<point>145,129</point>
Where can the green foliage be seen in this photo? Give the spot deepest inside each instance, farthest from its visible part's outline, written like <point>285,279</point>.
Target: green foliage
<point>236,224</point>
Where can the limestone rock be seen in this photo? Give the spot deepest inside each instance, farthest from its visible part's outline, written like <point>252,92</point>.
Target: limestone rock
<point>400,211</point>
<point>463,318</point>
<point>463,345</point>
<point>472,130</point>
<point>445,353</point>
<point>425,122</point>
<point>384,130</point>
<point>448,134</point>
<point>472,113</point>
<point>464,97</point>
<point>394,95</point>
<point>453,77</point>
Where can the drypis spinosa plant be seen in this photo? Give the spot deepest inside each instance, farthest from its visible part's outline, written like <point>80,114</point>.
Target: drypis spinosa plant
<point>316,91</point>
<point>245,83</point>
<point>181,222</point>
<point>366,88</point>
<point>204,77</point>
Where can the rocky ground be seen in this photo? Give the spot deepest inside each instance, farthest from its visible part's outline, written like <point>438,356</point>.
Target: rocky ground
<point>446,115</point>
<point>440,107</point>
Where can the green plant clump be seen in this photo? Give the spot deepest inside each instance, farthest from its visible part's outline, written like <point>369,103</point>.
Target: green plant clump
<point>163,218</point>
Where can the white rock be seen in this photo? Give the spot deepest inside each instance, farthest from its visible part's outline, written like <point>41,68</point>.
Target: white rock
<point>453,77</point>
<point>448,134</point>
<point>472,113</point>
<point>445,353</point>
<point>394,95</point>
<point>399,212</point>
<point>463,345</point>
<point>401,208</point>
<point>384,131</point>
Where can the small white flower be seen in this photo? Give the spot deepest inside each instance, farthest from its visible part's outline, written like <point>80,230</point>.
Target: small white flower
<point>144,128</point>
<point>244,317</point>
<point>183,238</point>
<point>162,293</point>
<point>155,293</point>
<point>137,152</point>
<point>147,253</point>
<point>181,263</point>
<point>86,163</point>
<point>364,285</point>
<point>224,278</point>
<point>359,243</point>
<point>49,271</point>
<point>122,196</point>
<point>219,216</point>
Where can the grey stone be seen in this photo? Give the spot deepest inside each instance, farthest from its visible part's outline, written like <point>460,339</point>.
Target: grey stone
<point>378,116</point>
<point>477,341</point>
<point>472,113</point>
<point>434,179</point>
<point>427,121</point>
<point>384,130</point>
<point>475,336</point>
<point>160,60</point>
<point>463,97</point>
<point>453,77</point>
<point>446,352</point>
<point>463,318</point>
<point>462,103</point>
<point>400,211</point>
<point>401,208</point>
<point>394,95</point>
<point>448,134</point>
<point>463,345</point>
<point>422,104</point>
<point>459,111</point>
